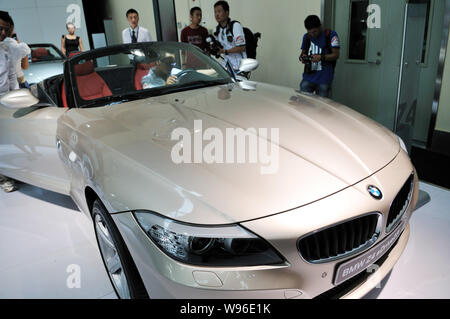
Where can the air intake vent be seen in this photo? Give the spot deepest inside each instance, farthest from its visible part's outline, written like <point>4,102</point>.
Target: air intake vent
<point>341,240</point>
<point>400,204</point>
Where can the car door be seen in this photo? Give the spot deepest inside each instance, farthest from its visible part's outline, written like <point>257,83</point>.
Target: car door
<point>28,150</point>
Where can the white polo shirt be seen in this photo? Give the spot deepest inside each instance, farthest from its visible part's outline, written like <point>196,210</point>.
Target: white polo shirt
<point>238,40</point>
<point>18,52</point>
<point>141,33</point>
<point>8,78</point>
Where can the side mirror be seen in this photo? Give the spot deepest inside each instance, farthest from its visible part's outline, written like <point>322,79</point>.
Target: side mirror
<point>248,65</point>
<point>247,85</point>
<point>18,99</point>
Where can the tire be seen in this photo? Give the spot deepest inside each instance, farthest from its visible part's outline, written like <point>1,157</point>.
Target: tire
<point>121,271</point>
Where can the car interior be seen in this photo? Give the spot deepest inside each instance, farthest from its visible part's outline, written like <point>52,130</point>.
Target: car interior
<point>95,83</point>
<point>41,54</point>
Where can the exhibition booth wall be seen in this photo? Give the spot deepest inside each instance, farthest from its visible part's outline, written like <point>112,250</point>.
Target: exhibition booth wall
<point>443,118</point>
<point>281,24</point>
<point>116,9</point>
<point>44,21</point>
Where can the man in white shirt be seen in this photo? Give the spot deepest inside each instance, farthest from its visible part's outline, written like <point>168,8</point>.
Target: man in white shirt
<point>230,34</point>
<point>8,79</point>
<point>21,51</point>
<point>135,33</point>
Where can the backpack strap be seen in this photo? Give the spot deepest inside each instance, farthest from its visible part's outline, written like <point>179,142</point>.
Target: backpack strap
<point>217,30</point>
<point>328,38</point>
<point>231,26</point>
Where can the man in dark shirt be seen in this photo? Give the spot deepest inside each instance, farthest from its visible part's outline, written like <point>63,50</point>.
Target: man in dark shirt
<point>322,46</point>
<point>196,35</point>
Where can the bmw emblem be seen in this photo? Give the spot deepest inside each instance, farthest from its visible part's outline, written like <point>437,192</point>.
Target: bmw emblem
<point>375,192</point>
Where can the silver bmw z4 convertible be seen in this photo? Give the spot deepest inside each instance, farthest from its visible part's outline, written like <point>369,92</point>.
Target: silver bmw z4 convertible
<point>202,185</point>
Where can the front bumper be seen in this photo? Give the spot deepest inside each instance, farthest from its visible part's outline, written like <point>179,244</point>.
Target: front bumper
<point>167,278</point>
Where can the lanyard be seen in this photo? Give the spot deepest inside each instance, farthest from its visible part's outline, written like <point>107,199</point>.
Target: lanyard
<point>136,31</point>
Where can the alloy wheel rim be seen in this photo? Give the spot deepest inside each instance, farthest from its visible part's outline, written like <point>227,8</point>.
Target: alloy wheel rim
<point>111,258</point>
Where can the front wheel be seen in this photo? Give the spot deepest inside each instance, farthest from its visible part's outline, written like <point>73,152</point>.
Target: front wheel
<point>121,269</point>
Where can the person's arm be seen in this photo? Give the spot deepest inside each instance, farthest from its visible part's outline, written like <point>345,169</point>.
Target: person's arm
<point>24,63</point>
<point>333,56</point>
<point>81,45</point>
<point>335,50</point>
<point>25,51</point>
<point>183,36</point>
<point>12,76</point>
<point>234,50</point>
<point>63,45</point>
<point>21,52</point>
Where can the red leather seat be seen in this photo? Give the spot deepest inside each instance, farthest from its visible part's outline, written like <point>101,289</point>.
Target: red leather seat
<point>91,86</point>
<point>192,62</point>
<point>63,96</point>
<point>142,70</point>
<point>38,53</point>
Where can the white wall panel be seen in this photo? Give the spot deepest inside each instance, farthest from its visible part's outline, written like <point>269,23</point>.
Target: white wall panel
<point>43,21</point>
<point>117,10</point>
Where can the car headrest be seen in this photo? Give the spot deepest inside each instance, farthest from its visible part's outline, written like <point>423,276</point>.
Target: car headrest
<point>149,56</point>
<point>84,68</point>
<point>39,52</point>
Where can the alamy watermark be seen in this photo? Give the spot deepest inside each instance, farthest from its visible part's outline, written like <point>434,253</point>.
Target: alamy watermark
<point>74,17</point>
<point>74,278</point>
<point>374,18</point>
<point>236,146</point>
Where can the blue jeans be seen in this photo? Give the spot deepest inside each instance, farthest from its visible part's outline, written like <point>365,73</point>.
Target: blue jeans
<point>320,89</point>
<point>24,85</point>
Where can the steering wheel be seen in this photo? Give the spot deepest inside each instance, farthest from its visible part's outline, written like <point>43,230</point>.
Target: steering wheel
<point>184,73</point>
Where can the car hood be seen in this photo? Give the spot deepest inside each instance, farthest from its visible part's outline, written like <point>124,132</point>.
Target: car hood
<point>324,147</point>
<point>40,71</point>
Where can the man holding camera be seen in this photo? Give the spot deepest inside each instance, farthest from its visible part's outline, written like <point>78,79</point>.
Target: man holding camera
<point>320,51</point>
<point>230,34</point>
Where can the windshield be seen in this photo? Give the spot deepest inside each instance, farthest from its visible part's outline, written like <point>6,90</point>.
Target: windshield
<point>135,71</point>
<point>44,53</point>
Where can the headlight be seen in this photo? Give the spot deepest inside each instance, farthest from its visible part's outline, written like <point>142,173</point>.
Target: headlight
<point>223,246</point>
<point>402,145</point>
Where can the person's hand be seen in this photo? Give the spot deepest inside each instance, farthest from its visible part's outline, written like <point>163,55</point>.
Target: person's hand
<point>222,51</point>
<point>316,58</point>
<point>171,80</point>
<point>301,58</point>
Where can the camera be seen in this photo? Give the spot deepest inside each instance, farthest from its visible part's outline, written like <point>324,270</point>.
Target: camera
<point>307,60</point>
<point>214,46</point>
